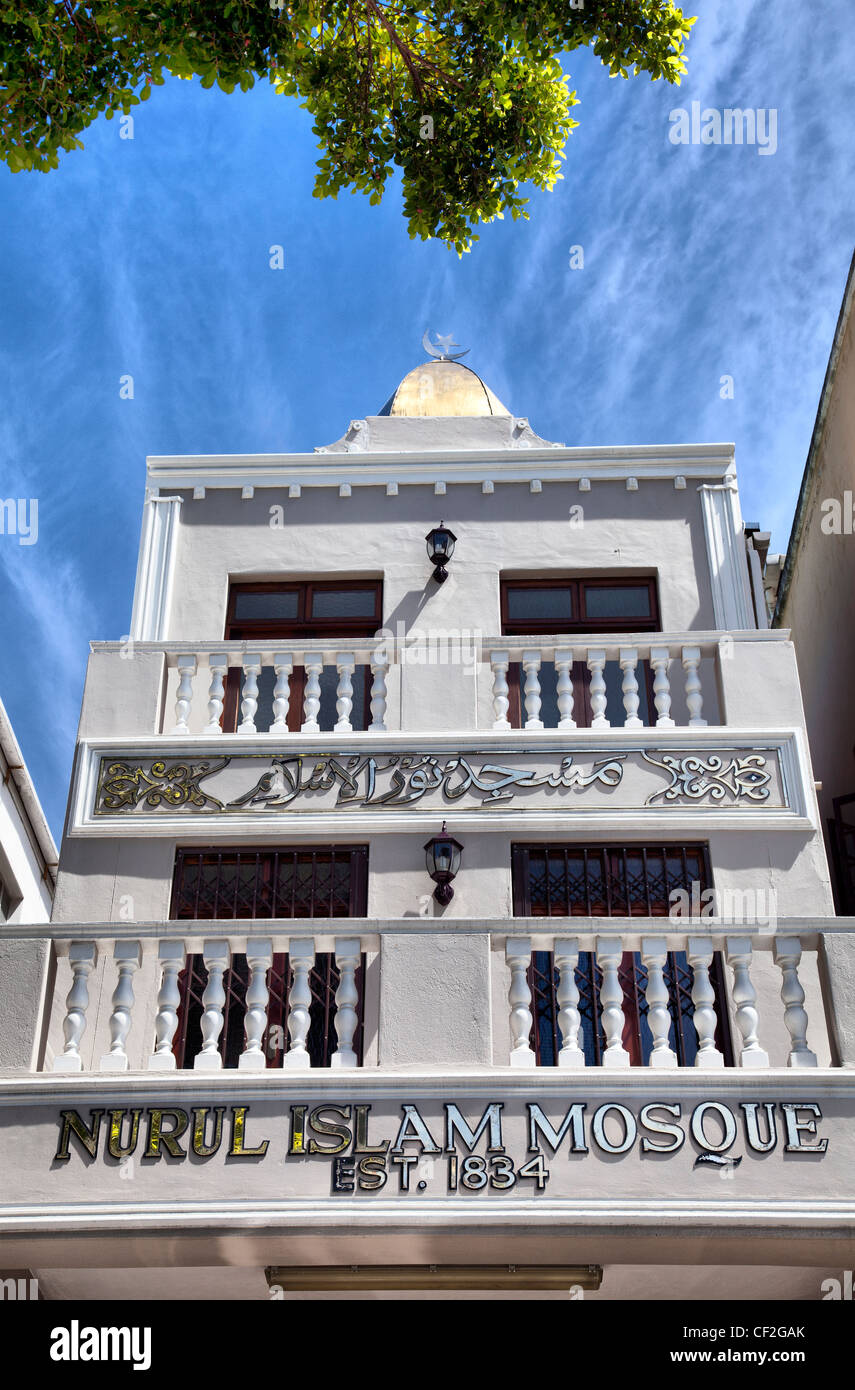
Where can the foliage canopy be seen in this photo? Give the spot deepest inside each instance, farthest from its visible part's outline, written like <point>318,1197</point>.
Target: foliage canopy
<point>486,72</point>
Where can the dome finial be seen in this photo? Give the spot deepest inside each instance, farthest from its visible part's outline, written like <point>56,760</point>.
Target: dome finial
<point>440,349</point>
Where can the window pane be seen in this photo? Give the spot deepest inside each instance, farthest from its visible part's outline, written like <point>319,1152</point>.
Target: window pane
<point>619,602</point>
<point>276,607</point>
<point>540,605</point>
<point>344,603</point>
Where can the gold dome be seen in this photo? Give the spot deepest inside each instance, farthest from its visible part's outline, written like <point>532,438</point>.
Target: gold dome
<point>443,389</point>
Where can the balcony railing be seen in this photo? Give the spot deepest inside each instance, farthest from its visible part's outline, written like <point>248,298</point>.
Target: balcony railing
<point>218,954</point>
<point>631,680</point>
<point>654,949</point>
<point>630,652</point>
<point>758,1025</point>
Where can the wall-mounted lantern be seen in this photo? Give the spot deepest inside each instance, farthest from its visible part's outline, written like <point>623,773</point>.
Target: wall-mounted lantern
<point>440,548</point>
<point>442,856</point>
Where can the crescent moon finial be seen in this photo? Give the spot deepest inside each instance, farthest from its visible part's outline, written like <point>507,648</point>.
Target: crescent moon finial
<point>440,349</point>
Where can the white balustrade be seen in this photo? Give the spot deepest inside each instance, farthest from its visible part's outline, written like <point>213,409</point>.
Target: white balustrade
<point>628,663</point>
<point>566,954</point>
<point>184,696</point>
<point>596,665</point>
<point>691,657</point>
<point>314,665</point>
<point>249,694</point>
<point>659,660</point>
<point>82,956</point>
<point>745,999</point>
<point>531,666</point>
<point>654,954</point>
<point>609,954</point>
<point>218,665</point>
<point>347,959</point>
<point>608,948</point>
<point>302,958</point>
<point>128,957</point>
<point>633,654</point>
<point>700,956</point>
<point>518,954</point>
<point>345,664</point>
<point>499,661</point>
<point>216,956</point>
<point>379,666</point>
<point>788,953</point>
<point>564,687</point>
<point>259,958</point>
<point>171,958</point>
<point>283,665</point>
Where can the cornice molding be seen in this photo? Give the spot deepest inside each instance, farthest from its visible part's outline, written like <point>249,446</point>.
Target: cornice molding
<point>426,467</point>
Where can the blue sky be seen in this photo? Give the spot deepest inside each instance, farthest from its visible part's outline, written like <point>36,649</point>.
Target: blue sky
<point>151,257</point>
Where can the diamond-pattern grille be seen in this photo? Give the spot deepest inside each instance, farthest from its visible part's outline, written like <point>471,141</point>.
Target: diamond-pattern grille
<point>613,881</point>
<point>259,884</point>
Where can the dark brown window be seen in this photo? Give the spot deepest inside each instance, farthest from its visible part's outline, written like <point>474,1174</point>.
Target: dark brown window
<point>562,607</point>
<point>255,884</point>
<point>613,881</point>
<point>302,612</point>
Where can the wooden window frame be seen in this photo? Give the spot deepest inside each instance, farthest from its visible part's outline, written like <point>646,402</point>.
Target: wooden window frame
<point>304,628</point>
<point>540,973</point>
<point>323,980</point>
<point>581,624</point>
<point>579,673</point>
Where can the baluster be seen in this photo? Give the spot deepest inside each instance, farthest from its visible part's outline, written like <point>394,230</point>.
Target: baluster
<point>379,664</point>
<point>596,662</point>
<point>609,953</point>
<point>659,660</point>
<point>302,958</point>
<point>249,694</point>
<point>171,955</point>
<point>259,958</point>
<point>82,956</point>
<point>314,664</point>
<point>564,667</point>
<point>700,955</point>
<point>788,953</point>
<point>499,662</point>
<point>567,996</point>
<point>518,956</point>
<point>283,664</point>
<point>654,953</point>
<point>184,694</point>
<point>216,957</point>
<point>694,696</point>
<point>739,957</point>
<point>531,666</point>
<point>128,957</point>
<point>219,665</point>
<point>345,664</point>
<point>628,662</point>
<point>347,958</point>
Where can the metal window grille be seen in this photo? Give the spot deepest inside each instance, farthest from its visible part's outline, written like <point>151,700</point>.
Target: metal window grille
<point>613,881</point>
<point>258,884</point>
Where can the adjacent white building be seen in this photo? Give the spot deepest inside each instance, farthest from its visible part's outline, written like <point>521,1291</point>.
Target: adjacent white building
<point>277,1055</point>
<point>28,865</point>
